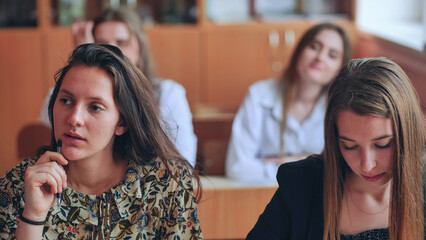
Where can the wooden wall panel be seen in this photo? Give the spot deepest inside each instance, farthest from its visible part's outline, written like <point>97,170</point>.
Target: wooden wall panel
<point>176,53</point>
<point>21,94</point>
<point>58,48</point>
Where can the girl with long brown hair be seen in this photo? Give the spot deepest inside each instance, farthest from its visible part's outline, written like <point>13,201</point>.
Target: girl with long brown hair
<point>369,181</point>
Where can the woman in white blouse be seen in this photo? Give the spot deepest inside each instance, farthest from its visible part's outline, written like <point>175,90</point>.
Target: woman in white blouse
<point>123,28</point>
<point>282,120</point>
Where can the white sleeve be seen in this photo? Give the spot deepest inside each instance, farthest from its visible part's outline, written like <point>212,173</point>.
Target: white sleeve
<point>243,160</point>
<point>44,115</point>
<point>177,115</point>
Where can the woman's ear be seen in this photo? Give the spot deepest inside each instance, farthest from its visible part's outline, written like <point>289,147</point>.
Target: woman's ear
<point>121,128</point>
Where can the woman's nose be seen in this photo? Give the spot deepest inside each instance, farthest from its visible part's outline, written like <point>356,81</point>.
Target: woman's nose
<point>76,117</point>
<point>368,161</point>
<point>322,55</point>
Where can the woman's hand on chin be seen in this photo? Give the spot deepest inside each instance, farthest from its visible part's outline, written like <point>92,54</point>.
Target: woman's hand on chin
<point>42,181</point>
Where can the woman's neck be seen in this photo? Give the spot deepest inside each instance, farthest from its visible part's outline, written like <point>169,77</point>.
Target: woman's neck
<point>355,183</point>
<point>95,177</point>
<point>304,101</point>
<point>308,93</point>
<point>364,207</point>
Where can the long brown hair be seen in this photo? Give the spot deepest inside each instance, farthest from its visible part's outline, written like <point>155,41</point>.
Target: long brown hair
<point>144,140</point>
<point>289,79</point>
<point>378,87</point>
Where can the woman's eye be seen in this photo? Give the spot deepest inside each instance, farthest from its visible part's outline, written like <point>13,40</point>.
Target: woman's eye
<point>384,146</point>
<point>332,55</point>
<point>315,46</point>
<point>349,147</point>
<point>344,145</point>
<point>65,101</point>
<point>96,108</point>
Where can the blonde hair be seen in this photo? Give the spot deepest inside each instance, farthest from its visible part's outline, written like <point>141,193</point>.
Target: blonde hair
<point>135,27</point>
<point>378,87</point>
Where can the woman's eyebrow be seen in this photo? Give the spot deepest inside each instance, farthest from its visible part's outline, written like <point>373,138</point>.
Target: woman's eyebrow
<point>345,139</point>
<point>383,137</point>
<point>66,92</point>
<point>93,98</point>
<point>379,138</point>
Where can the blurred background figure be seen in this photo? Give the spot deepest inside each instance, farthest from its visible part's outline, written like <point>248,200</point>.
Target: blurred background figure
<point>281,120</point>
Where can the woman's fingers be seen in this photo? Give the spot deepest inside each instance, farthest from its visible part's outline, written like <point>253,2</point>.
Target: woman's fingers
<point>48,172</point>
<point>42,181</point>
<point>60,160</point>
<point>88,27</point>
<point>52,156</point>
<point>82,32</point>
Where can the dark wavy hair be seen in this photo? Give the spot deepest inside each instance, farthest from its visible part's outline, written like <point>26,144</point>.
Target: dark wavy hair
<point>144,140</point>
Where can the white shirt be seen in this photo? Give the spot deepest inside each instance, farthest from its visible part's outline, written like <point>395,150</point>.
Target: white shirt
<point>256,133</point>
<point>176,115</point>
<point>175,111</point>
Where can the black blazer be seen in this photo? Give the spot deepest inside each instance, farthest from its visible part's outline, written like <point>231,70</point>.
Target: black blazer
<point>296,209</point>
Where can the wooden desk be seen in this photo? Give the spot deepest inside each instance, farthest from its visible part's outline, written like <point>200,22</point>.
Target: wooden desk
<point>213,129</point>
<point>230,208</point>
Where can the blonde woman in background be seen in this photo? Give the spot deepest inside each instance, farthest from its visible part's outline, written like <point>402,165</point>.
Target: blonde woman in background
<point>282,120</point>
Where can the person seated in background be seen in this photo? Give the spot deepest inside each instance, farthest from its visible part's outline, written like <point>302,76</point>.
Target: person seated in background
<point>118,174</point>
<point>369,181</point>
<point>282,120</point>
<point>123,28</point>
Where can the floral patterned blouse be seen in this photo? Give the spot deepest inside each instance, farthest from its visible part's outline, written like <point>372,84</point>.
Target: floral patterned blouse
<point>148,204</point>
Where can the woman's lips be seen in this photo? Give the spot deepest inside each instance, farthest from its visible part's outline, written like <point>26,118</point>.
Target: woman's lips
<point>316,66</point>
<point>373,178</point>
<point>72,137</point>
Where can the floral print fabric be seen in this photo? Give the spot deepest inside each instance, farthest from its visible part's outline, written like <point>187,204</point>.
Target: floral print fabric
<point>148,204</point>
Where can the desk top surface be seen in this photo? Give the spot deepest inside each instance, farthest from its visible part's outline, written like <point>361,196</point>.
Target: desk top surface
<point>221,182</point>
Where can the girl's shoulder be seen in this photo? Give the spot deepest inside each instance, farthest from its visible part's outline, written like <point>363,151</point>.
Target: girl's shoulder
<point>17,173</point>
<point>265,86</point>
<point>303,171</point>
<point>168,86</point>
<point>12,188</point>
<point>156,172</point>
<point>265,93</point>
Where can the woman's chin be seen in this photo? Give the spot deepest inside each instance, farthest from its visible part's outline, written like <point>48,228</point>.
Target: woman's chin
<point>73,155</point>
